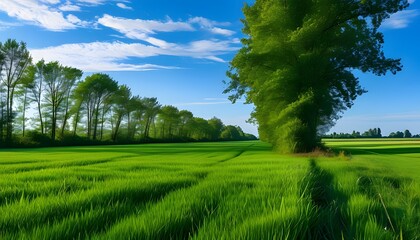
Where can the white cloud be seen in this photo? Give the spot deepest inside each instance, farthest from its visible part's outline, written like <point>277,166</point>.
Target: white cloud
<point>75,20</point>
<point>143,26</point>
<point>6,25</point>
<point>142,29</point>
<point>209,25</point>
<point>400,19</point>
<point>411,1</point>
<point>123,6</point>
<point>222,31</point>
<point>101,56</point>
<point>92,2</point>
<point>37,13</point>
<point>43,13</point>
<point>95,56</point>
<point>204,22</point>
<point>69,7</point>
<point>51,1</point>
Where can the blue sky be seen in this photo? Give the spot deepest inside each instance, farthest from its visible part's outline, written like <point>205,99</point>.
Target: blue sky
<point>178,51</point>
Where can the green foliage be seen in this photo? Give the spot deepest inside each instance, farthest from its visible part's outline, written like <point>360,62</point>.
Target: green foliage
<point>94,93</point>
<point>14,60</point>
<point>297,60</point>
<point>95,110</point>
<point>397,134</point>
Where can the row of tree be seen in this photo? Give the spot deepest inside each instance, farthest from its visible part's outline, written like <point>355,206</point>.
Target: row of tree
<point>97,108</point>
<point>371,133</point>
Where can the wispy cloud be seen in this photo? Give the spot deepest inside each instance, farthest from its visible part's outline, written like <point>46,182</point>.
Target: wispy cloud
<point>140,29</point>
<point>92,2</point>
<point>69,7</point>
<point>5,25</point>
<point>54,15</point>
<point>210,26</point>
<point>37,13</point>
<point>400,19</point>
<point>144,30</point>
<point>100,56</point>
<point>123,6</point>
<point>48,14</point>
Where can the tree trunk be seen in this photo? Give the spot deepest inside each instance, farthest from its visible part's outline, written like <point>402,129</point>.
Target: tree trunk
<point>95,124</point>
<point>102,123</point>
<point>24,111</point>
<point>76,120</point>
<point>66,115</point>
<point>117,127</point>
<point>8,113</point>
<point>146,128</point>
<point>53,121</point>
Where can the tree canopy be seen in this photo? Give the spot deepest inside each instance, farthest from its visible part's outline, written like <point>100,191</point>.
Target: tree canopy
<point>297,60</point>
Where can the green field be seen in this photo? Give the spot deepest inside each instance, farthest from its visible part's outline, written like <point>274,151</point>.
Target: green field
<point>230,190</point>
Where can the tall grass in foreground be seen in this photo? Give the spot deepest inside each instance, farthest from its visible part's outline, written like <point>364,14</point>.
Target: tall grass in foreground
<point>226,190</point>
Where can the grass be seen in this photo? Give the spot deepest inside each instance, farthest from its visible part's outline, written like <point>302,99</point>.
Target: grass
<point>229,190</point>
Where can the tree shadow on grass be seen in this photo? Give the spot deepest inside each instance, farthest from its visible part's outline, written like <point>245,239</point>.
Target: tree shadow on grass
<point>329,223</point>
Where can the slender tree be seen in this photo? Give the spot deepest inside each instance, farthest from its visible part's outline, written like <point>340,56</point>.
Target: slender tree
<point>94,93</point>
<point>59,82</point>
<point>37,89</point>
<point>169,120</point>
<point>71,77</point>
<point>2,114</point>
<point>76,109</point>
<point>119,100</point>
<point>2,99</point>
<point>15,59</point>
<point>185,118</point>
<point>22,92</point>
<point>135,114</point>
<point>297,60</point>
<point>152,108</point>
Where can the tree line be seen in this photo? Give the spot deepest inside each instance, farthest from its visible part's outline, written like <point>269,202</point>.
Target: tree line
<point>66,109</point>
<point>372,133</point>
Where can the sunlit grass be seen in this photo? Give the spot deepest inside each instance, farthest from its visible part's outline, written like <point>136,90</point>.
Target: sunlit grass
<point>238,190</point>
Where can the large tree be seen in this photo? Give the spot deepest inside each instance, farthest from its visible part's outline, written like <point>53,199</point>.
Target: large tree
<point>296,64</point>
